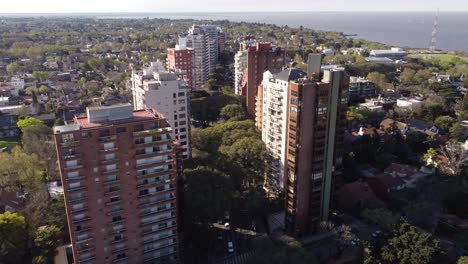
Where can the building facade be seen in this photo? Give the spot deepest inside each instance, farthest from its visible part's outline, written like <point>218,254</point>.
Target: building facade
<point>118,170</point>
<point>316,124</point>
<point>253,59</point>
<point>155,88</point>
<point>180,61</point>
<point>207,42</point>
<point>361,88</point>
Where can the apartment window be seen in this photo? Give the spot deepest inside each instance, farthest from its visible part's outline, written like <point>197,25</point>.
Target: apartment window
<point>183,136</point>
<point>115,199</point>
<point>181,94</point>
<point>86,135</point>
<point>121,130</point>
<point>181,115</point>
<point>137,128</point>
<point>317,175</point>
<point>175,117</point>
<point>174,95</point>
<point>293,110</point>
<point>182,123</point>
<point>183,129</point>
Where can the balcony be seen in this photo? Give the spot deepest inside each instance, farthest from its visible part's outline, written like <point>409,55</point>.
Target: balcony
<point>77,178</point>
<point>119,249</point>
<point>150,230</point>
<point>160,247</point>
<point>155,173</point>
<point>109,150</point>
<point>119,259</point>
<point>151,258</point>
<point>142,155</point>
<point>110,182</point>
<point>111,171</point>
<point>111,192</point>
<point>74,167</point>
<point>107,138</point>
<point>156,192</point>
<point>114,202</point>
<point>149,183</point>
<point>158,220</point>
<point>152,132</point>
<point>117,231</point>
<point>82,230</point>
<point>85,249</point>
<point>114,160</point>
<point>78,188</point>
<point>71,143</point>
<point>155,212</point>
<point>84,219</point>
<point>163,236</point>
<point>84,208</point>
<point>84,240</point>
<point>87,259</point>
<point>155,201</point>
<point>158,162</point>
<point>77,199</point>
<point>119,241</point>
<point>67,156</point>
<point>116,222</point>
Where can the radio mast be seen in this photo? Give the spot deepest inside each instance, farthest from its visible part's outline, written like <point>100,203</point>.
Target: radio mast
<point>432,48</point>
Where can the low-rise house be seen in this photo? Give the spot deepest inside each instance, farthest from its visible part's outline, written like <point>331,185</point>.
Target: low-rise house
<point>412,103</point>
<point>393,53</point>
<point>387,124</point>
<point>423,127</point>
<point>357,196</point>
<point>400,170</point>
<point>11,201</point>
<point>383,184</point>
<point>383,60</point>
<point>8,127</point>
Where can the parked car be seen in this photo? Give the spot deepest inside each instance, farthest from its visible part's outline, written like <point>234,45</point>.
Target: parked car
<point>230,247</point>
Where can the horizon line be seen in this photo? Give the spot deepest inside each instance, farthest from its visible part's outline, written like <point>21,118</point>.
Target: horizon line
<point>205,12</point>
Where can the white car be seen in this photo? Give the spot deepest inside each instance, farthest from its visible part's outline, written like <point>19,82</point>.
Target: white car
<point>230,247</point>
<point>227,226</point>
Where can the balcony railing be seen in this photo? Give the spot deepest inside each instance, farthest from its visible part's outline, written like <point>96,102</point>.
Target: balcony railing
<point>156,192</point>
<point>84,240</point>
<point>74,189</point>
<point>87,249</point>
<point>155,201</point>
<point>108,138</point>
<point>72,143</point>
<point>71,155</point>
<point>151,257</point>
<point>161,162</point>
<point>77,178</point>
<point>107,161</point>
<point>155,173</point>
<point>119,249</point>
<point>111,171</point>
<point>109,150</point>
<point>74,167</point>
<point>109,182</point>
<point>87,259</point>
<point>76,199</point>
<point>84,208</point>
<point>152,132</point>
<point>81,219</point>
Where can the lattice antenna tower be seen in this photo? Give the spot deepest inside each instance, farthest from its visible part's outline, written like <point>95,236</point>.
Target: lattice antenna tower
<point>432,48</point>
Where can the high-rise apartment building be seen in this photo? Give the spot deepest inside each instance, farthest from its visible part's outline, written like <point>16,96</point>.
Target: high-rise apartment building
<point>155,88</point>
<point>118,170</point>
<point>253,59</point>
<point>272,120</point>
<point>302,120</point>
<point>180,61</point>
<point>316,124</point>
<point>207,42</point>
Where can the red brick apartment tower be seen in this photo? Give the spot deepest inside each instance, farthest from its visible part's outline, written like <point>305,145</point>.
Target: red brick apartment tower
<point>180,61</point>
<point>118,169</point>
<point>261,58</point>
<point>316,124</point>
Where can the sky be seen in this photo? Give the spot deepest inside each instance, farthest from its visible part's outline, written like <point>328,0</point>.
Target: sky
<point>155,6</point>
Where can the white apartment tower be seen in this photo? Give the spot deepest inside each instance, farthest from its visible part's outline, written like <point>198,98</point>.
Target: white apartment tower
<point>207,42</point>
<point>240,63</point>
<point>274,92</point>
<point>155,88</point>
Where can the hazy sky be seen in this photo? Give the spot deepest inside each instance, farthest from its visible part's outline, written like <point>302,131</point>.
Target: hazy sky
<point>57,6</point>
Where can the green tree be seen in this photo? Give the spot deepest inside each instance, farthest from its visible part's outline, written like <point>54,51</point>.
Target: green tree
<point>379,79</point>
<point>40,76</point>
<point>444,123</point>
<point>463,259</point>
<point>249,154</point>
<point>22,172</point>
<point>47,239</point>
<point>14,238</point>
<point>232,112</point>
<point>433,110</point>
<point>407,76</point>
<point>422,76</point>
<point>43,89</point>
<point>279,251</point>
<point>417,141</point>
<point>408,246</point>
<point>430,158</point>
<point>457,132</point>
<point>382,217</point>
<point>31,90</point>
<point>15,67</point>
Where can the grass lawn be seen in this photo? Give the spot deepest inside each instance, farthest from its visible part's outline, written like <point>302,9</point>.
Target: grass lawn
<point>440,58</point>
<point>9,142</point>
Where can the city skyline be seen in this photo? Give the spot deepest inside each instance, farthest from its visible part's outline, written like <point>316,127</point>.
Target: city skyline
<point>88,6</point>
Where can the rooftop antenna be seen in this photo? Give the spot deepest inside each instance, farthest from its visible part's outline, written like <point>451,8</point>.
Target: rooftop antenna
<point>432,48</point>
